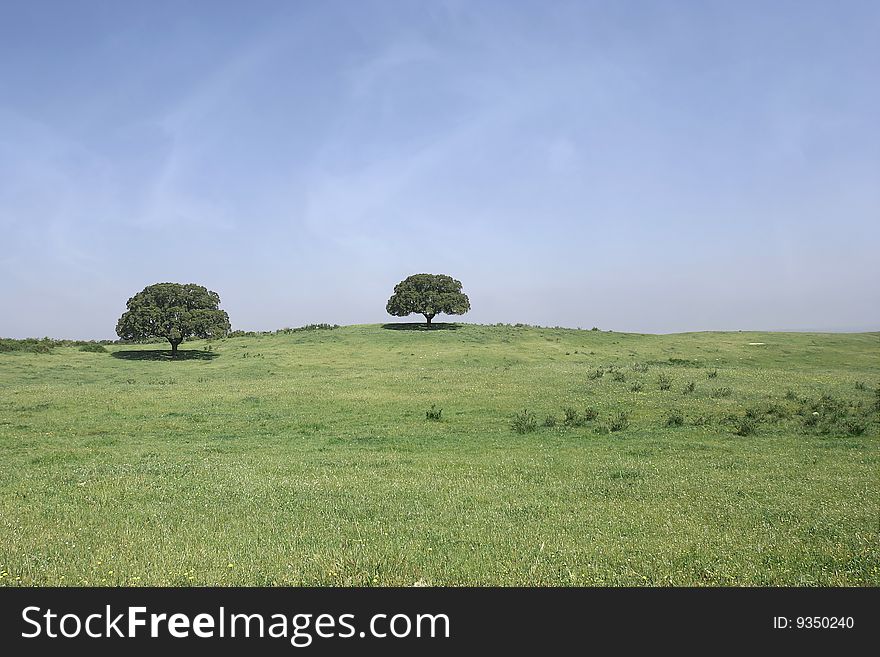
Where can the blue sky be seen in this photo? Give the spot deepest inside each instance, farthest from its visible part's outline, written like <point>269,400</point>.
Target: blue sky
<point>641,166</point>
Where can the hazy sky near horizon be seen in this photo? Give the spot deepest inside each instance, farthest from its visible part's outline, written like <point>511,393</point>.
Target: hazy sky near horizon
<point>641,166</point>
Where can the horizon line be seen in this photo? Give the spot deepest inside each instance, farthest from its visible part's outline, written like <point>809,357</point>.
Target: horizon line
<point>840,331</point>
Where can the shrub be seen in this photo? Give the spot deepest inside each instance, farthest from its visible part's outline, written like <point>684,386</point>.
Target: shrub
<point>640,367</point>
<point>754,413</point>
<point>664,382</point>
<point>778,412</point>
<point>433,413</point>
<point>689,387</point>
<point>832,416</point>
<point>309,327</point>
<point>94,348</point>
<point>283,331</point>
<point>550,421</point>
<point>723,391</point>
<point>829,408</point>
<point>700,421</point>
<point>712,374</point>
<point>572,418</point>
<point>524,422</point>
<point>590,414</point>
<point>596,374</point>
<point>636,387</point>
<point>32,345</point>
<point>619,422</point>
<point>45,345</point>
<point>675,418</point>
<point>617,375</point>
<point>745,426</point>
<point>854,426</point>
<point>812,419</point>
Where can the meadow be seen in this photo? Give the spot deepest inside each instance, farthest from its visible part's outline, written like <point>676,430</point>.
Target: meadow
<point>464,455</point>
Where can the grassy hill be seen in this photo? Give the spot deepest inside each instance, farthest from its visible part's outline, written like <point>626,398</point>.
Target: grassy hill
<point>307,458</point>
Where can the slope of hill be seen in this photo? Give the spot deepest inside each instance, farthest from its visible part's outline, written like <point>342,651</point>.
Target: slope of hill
<point>308,458</point>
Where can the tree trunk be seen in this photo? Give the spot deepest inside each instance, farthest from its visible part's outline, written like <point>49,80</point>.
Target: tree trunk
<point>429,318</point>
<point>174,348</point>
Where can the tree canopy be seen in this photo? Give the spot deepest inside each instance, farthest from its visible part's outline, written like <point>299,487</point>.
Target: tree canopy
<point>173,311</point>
<point>428,295</point>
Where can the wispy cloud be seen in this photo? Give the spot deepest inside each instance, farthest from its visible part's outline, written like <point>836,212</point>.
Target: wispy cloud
<point>173,201</point>
<point>54,194</point>
<point>665,167</point>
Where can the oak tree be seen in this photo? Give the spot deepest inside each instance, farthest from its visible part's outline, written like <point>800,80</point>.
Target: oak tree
<point>428,295</point>
<point>173,311</point>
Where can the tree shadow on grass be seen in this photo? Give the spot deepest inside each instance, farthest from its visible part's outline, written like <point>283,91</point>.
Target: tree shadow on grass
<point>164,354</point>
<point>420,326</point>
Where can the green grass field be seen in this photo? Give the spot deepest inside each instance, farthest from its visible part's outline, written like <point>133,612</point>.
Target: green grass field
<point>307,459</point>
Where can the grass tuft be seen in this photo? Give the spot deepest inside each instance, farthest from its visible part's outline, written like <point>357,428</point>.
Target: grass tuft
<point>524,422</point>
<point>674,419</point>
<point>619,421</point>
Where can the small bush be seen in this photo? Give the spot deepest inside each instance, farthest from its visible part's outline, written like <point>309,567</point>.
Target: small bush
<point>754,413</point>
<point>433,413</point>
<point>32,345</point>
<point>636,387</point>
<point>572,418</point>
<point>94,348</point>
<point>282,331</point>
<point>701,421</point>
<point>524,422</point>
<point>664,382</point>
<point>550,421</point>
<point>596,374</point>
<point>791,395</point>
<point>829,415</point>
<point>861,385</point>
<point>778,412</point>
<point>689,387</point>
<point>619,376</point>
<point>712,374</point>
<point>640,367</point>
<point>829,408</point>
<point>745,426</point>
<point>723,391</point>
<point>854,426</point>
<point>619,422</point>
<point>675,418</point>
<point>45,345</point>
<point>590,414</point>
